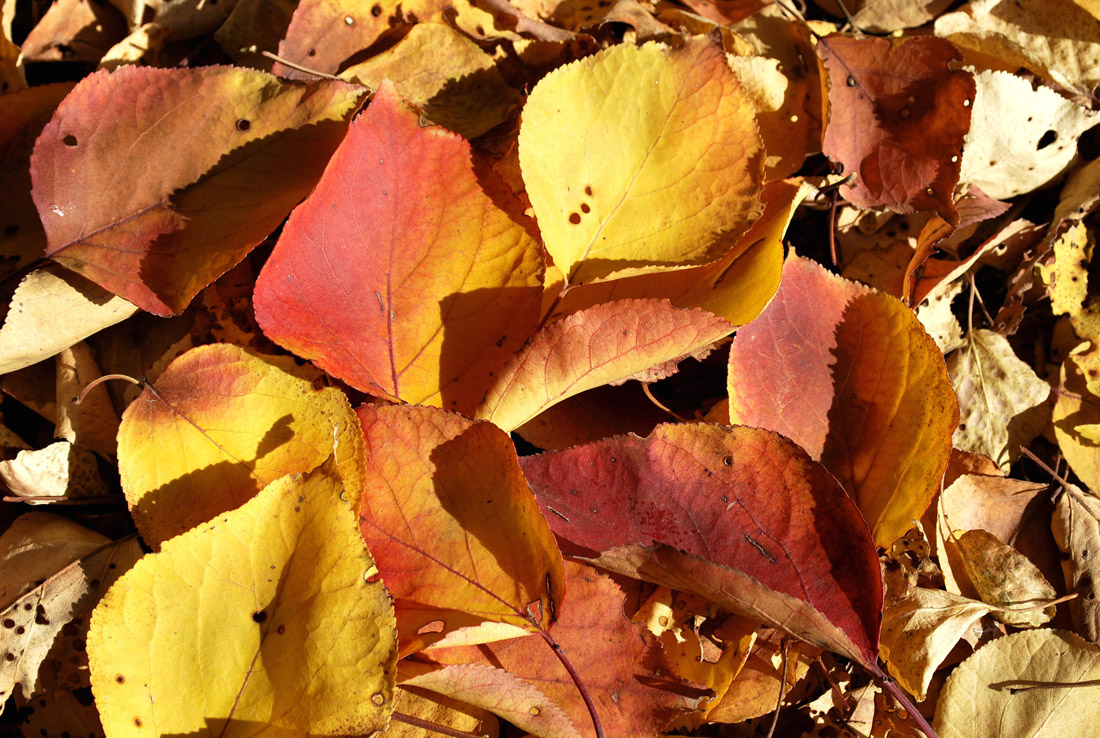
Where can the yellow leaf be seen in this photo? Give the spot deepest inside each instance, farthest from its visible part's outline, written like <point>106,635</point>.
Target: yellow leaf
<point>1006,579</point>
<point>269,618</point>
<point>1076,527</point>
<point>446,74</point>
<point>1075,410</point>
<point>919,632</point>
<point>220,423</point>
<point>637,159</point>
<point>1037,683</point>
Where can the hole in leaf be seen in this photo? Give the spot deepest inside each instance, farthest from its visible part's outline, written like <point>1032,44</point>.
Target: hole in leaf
<point>728,461</point>
<point>243,124</point>
<point>376,10</point>
<point>259,617</point>
<point>69,140</point>
<point>436,626</point>
<point>120,679</point>
<point>349,21</point>
<point>1048,138</point>
<point>378,699</point>
<point>851,81</point>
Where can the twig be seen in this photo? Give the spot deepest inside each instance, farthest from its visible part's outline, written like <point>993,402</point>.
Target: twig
<point>782,689</point>
<point>304,70</point>
<point>100,380</point>
<point>902,699</point>
<point>659,404</point>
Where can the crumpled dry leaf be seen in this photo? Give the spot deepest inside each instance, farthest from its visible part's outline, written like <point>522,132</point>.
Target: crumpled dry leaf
<point>1006,579</point>
<point>1076,526</point>
<point>1002,403</point>
<point>93,423</point>
<point>58,471</point>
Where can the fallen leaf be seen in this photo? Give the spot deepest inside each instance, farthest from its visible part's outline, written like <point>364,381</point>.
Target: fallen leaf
<point>51,310</point>
<point>755,691</point>
<point>439,276</point>
<point>496,690</point>
<point>58,471</point>
<point>219,424</point>
<point>1037,683</point>
<point>453,525</point>
<point>1005,579</point>
<point>324,34</point>
<point>254,26</point>
<point>433,708</point>
<point>142,46</point>
<point>898,118</point>
<point>183,18</point>
<point>637,159</point>
<point>625,690</point>
<point>606,343</point>
<point>594,414</point>
<point>1076,527</point>
<point>883,427</point>
<point>1021,137</point>
<point>1058,39</point>
<point>737,287</point>
<point>36,546</point>
<point>74,31</point>
<point>225,177</point>
<point>1075,410</point>
<point>445,74</point>
<point>34,623</point>
<point>802,563</point>
<point>887,16</point>
<point>921,630</point>
<point>230,629</point>
<point>1002,403</point>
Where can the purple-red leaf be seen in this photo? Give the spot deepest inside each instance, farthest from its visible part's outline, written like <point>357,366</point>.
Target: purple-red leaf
<point>739,515</point>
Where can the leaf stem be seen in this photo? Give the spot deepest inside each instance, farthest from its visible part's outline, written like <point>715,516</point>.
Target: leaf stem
<point>782,691</point>
<point>434,727</point>
<point>99,380</point>
<point>889,685</point>
<point>304,70</point>
<point>557,649</point>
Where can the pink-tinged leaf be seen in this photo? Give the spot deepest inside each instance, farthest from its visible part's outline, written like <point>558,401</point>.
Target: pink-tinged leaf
<point>401,274</point>
<point>898,116</point>
<point>738,515</point>
<point>598,345</point>
<point>154,182</point>
<point>453,526</point>
<point>617,660</point>
<point>850,375</point>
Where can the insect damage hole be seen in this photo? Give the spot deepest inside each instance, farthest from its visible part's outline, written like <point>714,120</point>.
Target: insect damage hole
<point>259,616</point>
<point>1048,138</point>
<point>69,140</point>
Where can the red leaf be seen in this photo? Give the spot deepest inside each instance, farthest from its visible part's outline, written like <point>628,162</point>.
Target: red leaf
<point>738,515</point>
<point>898,117</point>
<point>400,274</point>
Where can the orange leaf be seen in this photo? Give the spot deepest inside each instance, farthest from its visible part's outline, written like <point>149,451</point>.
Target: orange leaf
<point>615,658</point>
<point>453,525</point>
<point>898,117</point>
<point>154,182</point>
<point>596,346</point>
<point>404,277</point>
<point>740,516</point>
<point>850,375</point>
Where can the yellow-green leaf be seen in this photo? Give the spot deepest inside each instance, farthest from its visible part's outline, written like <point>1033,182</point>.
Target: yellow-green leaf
<point>637,158</point>
<point>270,618</point>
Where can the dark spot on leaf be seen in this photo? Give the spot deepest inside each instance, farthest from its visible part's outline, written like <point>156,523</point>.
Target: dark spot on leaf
<point>588,190</point>
<point>311,52</point>
<point>281,629</point>
<point>480,31</point>
<point>585,208</point>
<point>259,617</point>
<point>243,124</point>
<point>69,140</point>
<point>112,566</point>
<point>376,10</point>
<point>137,722</point>
<point>11,230</point>
<point>20,630</point>
<point>574,218</point>
<point>9,656</point>
<point>120,679</point>
<point>9,623</point>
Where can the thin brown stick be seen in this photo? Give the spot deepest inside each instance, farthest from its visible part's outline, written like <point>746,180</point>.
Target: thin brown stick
<point>659,404</point>
<point>60,500</point>
<point>303,70</point>
<point>1028,685</point>
<point>889,685</point>
<point>832,230</point>
<point>434,727</point>
<point>106,377</point>
<point>782,689</point>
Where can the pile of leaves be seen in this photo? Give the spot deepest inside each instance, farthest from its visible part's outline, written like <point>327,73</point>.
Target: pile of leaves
<point>549,367</point>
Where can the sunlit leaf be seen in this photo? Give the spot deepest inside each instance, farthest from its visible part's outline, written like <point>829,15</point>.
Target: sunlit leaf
<point>269,618</point>
<point>882,425</point>
<point>229,165</point>
<point>453,525</point>
<point>405,277</point>
<point>639,159</point>
<point>219,424</point>
<point>740,516</point>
